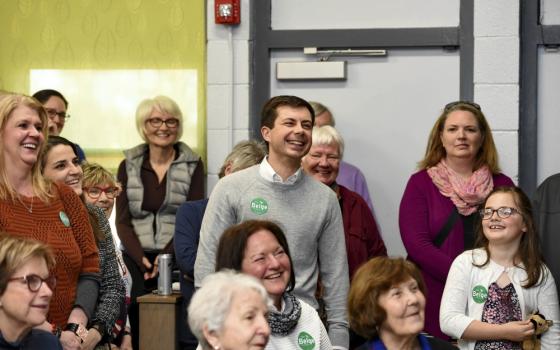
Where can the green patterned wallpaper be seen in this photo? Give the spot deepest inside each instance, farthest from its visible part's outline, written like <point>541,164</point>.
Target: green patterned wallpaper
<point>103,34</point>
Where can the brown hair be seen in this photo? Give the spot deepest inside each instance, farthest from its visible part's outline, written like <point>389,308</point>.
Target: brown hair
<point>8,103</point>
<point>54,141</point>
<point>270,108</point>
<point>16,251</point>
<point>529,251</point>
<point>487,154</point>
<point>371,280</point>
<point>231,248</point>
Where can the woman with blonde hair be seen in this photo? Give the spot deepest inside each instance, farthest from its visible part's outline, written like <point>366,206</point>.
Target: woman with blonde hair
<point>34,207</point>
<point>157,177</point>
<point>439,204</point>
<point>101,189</point>
<point>26,288</point>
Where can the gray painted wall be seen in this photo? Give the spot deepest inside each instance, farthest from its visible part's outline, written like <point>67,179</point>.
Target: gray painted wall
<point>550,12</point>
<point>548,114</point>
<point>548,104</point>
<point>326,14</point>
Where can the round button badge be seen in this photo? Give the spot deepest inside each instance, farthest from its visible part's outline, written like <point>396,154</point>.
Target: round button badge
<point>64,218</point>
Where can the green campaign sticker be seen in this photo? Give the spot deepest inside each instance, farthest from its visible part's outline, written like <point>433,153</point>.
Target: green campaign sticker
<point>306,341</point>
<point>64,218</point>
<point>479,294</point>
<point>259,206</point>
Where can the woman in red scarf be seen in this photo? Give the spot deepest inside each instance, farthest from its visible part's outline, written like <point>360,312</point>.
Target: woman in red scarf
<point>438,207</point>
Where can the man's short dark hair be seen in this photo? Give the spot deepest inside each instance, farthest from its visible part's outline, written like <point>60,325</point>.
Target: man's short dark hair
<point>44,95</point>
<point>269,111</point>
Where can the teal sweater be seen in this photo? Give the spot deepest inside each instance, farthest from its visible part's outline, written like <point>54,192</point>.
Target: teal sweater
<point>308,213</point>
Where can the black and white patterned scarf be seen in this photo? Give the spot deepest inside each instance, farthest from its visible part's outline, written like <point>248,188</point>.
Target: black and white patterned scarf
<point>281,323</point>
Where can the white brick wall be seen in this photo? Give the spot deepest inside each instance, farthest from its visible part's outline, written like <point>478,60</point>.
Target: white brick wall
<point>496,18</point>
<point>227,91</point>
<point>496,60</point>
<point>507,144</point>
<point>496,75</point>
<point>500,104</point>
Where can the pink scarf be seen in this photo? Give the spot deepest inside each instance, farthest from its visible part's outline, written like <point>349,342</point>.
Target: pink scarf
<point>465,194</point>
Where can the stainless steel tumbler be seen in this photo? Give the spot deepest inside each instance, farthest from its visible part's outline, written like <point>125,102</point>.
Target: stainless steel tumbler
<point>165,262</point>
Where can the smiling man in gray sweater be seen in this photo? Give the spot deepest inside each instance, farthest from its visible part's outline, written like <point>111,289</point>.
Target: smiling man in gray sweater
<point>308,212</point>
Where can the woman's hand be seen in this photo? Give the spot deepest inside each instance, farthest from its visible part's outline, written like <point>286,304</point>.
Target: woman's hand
<point>148,275</point>
<point>70,341</point>
<point>518,331</point>
<point>126,343</point>
<point>91,340</point>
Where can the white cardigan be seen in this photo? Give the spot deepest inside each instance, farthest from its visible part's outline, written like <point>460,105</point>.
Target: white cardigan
<point>459,308</point>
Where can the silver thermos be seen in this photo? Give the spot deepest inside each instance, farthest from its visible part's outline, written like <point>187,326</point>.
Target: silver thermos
<point>165,262</point>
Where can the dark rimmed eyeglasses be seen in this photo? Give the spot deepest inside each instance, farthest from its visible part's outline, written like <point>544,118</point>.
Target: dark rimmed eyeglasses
<point>35,282</point>
<point>503,212</point>
<point>157,122</point>
<point>461,102</point>
<point>95,192</point>
<point>52,113</point>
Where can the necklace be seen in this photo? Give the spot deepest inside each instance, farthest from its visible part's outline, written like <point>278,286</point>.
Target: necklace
<point>30,209</point>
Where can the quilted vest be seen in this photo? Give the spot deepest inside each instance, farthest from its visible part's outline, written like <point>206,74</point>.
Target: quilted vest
<point>176,192</point>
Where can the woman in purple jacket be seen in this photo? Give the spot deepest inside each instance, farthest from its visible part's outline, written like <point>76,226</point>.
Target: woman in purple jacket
<point>438,207</point>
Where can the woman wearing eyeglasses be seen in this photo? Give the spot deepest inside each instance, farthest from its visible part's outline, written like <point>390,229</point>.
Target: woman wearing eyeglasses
<point>56,105</point>
<point>101,189</point>
<point>439,204</point>
<point>491,291</point>
<point>60,164</point>
<point>157,177</point>
<point>34,207</point>
<point>26,289</point>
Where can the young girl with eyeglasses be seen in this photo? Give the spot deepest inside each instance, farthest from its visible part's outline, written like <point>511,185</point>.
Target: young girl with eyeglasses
<point>492,290</point>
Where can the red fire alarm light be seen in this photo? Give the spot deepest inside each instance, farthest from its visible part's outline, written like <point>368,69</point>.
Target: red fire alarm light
<point>227,11</point>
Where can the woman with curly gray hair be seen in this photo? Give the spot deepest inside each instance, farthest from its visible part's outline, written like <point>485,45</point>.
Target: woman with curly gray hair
<point>229,311</point>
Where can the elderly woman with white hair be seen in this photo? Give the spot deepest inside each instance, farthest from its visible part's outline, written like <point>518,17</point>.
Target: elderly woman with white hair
<point>363,240</point>
<point>229,312</point>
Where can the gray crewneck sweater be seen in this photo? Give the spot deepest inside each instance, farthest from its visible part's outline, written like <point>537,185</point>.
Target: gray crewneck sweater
<point>308,213</point>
